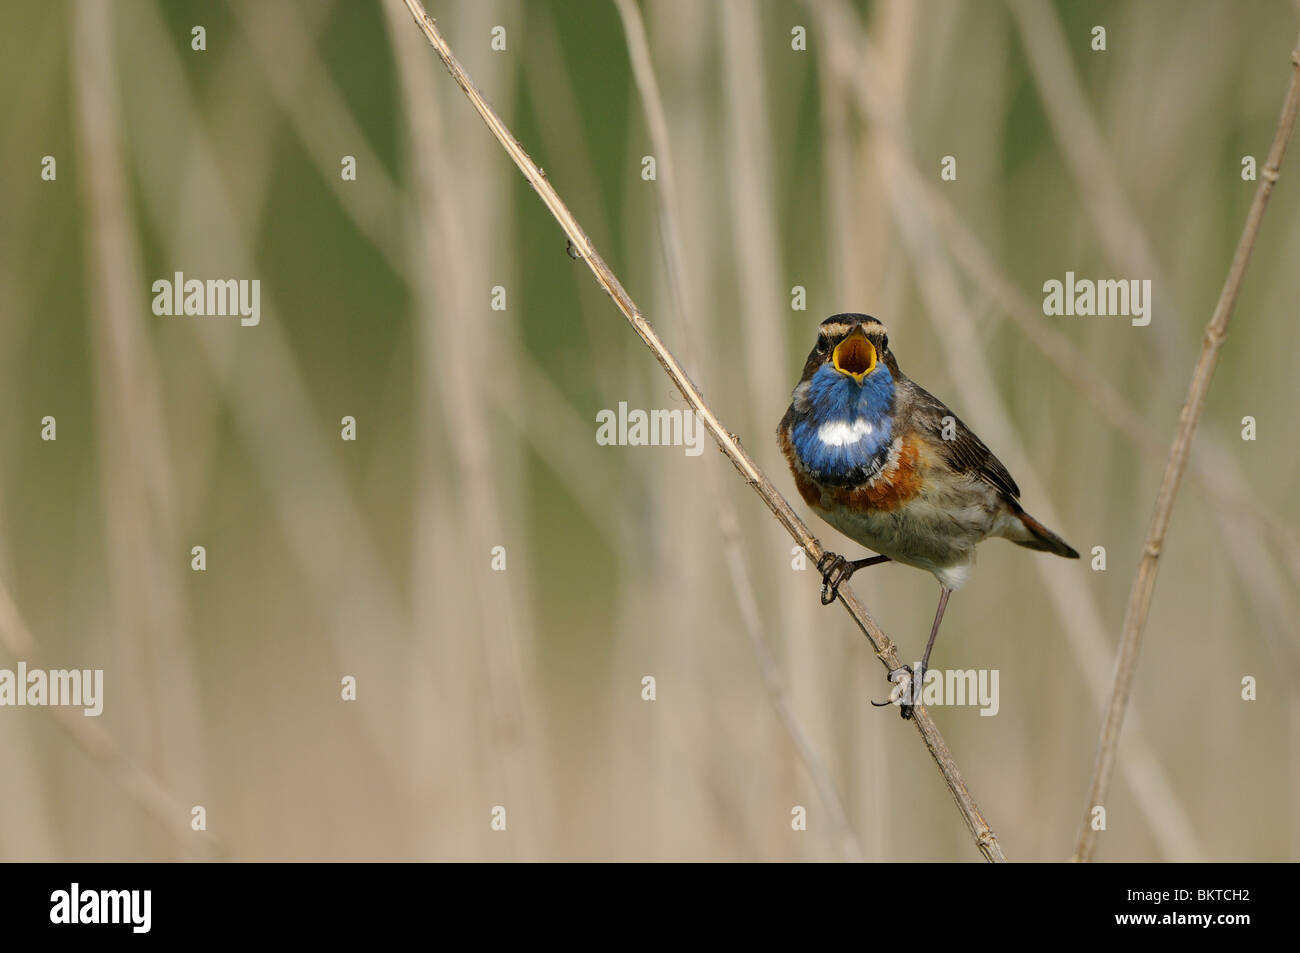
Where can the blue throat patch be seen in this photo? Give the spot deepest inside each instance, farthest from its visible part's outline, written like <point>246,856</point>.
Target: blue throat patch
<point>844,436</point>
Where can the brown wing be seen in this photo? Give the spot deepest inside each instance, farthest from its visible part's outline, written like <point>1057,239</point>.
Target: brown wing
<point>965,452</point>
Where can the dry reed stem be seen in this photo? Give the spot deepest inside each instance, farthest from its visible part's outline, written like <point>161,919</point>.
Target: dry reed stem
<point>1139,604</point>
<point>728,522</point>
<point>985,839</point>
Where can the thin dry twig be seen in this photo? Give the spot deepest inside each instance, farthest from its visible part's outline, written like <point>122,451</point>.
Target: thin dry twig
<point>1139,603</point>
<point>985,839</point>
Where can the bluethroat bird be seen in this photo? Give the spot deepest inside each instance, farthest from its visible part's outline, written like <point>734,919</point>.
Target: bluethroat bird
<point>889,466</point>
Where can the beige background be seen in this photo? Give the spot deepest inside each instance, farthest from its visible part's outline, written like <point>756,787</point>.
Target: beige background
<point>477,428</point>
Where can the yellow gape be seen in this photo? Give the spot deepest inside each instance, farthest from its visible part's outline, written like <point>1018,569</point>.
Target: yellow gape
<point>855,355</point>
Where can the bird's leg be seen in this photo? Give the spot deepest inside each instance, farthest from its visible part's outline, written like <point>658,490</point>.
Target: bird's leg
<point>835,569</point>
<point>944,593</point>
<point>903,685</point>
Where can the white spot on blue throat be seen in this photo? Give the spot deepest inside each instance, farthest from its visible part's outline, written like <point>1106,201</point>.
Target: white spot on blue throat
<point>842,429</point>
<point>840,433</point>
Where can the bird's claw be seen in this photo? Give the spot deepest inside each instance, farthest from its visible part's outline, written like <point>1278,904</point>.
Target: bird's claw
<point>834,569</point>
<point>902,677</point>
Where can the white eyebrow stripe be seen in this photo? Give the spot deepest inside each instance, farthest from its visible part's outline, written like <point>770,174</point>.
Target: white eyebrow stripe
<point>838,433</point>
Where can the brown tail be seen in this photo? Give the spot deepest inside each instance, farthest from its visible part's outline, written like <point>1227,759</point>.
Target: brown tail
<point>1041,538</point>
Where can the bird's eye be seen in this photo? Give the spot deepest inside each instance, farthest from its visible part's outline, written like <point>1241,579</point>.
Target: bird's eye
<point>823,346</point>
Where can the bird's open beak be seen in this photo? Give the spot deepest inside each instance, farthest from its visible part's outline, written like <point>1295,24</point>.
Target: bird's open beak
<point>855,356</point>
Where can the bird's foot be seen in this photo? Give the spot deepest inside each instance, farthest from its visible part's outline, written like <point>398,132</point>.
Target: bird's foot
<point>902,693</point>
<point>834,569</point>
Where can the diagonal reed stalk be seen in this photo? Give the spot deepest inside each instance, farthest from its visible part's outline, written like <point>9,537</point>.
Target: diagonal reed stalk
<point>1139,603</point>
<point>985,840</point>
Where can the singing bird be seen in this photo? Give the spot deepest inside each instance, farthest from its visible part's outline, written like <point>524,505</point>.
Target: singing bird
<point>892,468</point>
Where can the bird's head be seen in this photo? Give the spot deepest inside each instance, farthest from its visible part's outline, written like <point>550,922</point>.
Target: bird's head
<point>850,372</point>
<point>850,349</point>
<point>841,412</point>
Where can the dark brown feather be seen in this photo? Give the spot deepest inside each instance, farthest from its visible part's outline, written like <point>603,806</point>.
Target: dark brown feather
<point>965,453</point>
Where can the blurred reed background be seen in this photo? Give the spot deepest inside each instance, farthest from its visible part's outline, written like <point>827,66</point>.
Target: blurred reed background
<point>476,427</point>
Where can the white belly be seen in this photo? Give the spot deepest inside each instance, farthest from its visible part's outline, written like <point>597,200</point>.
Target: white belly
<point>936,532</point>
